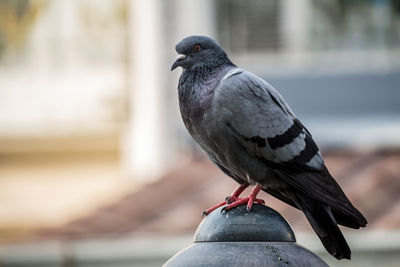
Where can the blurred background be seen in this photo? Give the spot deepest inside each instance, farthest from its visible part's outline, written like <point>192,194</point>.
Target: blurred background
<point>96,168</point>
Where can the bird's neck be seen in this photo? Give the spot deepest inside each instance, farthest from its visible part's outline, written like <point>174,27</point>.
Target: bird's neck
<point>196,88</point>
<point>206,72</point>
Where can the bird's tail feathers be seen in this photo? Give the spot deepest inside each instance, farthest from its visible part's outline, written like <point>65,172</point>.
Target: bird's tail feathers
<point>345,213</point>
<point>350,218</point>
<point>325,226</point>
<point>342,209</point>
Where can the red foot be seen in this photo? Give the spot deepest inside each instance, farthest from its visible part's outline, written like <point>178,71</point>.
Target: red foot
<point>234,200</point>
<point>234,196</point>
<point>208,211</point>
<point>241,201</point>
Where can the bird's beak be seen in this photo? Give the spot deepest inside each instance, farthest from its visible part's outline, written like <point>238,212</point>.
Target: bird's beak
<point>178,61</point>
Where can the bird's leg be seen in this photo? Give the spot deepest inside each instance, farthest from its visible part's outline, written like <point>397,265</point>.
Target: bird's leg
<point>250,199</point>
<point>236,193</point>
<point>233,197</point>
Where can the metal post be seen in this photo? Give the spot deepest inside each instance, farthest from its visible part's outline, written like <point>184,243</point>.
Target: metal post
<point>261,237</point>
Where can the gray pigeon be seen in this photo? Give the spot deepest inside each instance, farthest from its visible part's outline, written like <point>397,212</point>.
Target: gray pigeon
<point>250,132</point>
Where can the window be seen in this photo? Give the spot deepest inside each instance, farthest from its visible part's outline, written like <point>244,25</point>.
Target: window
<point>250,25</point>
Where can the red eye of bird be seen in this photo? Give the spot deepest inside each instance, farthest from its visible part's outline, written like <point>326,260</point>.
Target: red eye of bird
<point>197,48</point>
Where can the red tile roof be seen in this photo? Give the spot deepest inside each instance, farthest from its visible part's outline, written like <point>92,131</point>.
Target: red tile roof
<point>173,203</point>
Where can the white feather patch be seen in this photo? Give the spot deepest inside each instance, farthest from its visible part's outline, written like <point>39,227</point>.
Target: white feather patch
<point>316,161</point>
<point>289,151</point>
<point>231,72</point>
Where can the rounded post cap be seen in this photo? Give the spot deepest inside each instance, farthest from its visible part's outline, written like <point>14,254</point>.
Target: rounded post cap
<point>260,224</point>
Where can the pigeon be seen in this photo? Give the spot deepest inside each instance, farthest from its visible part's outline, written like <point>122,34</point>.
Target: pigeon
<point>249,132</point>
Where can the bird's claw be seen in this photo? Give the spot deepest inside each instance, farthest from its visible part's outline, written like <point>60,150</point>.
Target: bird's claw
<point>230,199</point>
<point>208,211</point>
<point>240,201</point>
<point>234,201</point>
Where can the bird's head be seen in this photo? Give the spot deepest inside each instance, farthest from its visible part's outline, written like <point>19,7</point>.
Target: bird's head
<point>197,51</point>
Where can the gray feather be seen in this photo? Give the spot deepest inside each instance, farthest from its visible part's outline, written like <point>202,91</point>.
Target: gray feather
<point>250,108</point>
<point>242,96</point>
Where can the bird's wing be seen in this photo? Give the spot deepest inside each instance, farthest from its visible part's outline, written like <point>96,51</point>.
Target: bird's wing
<point>263,123</point>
